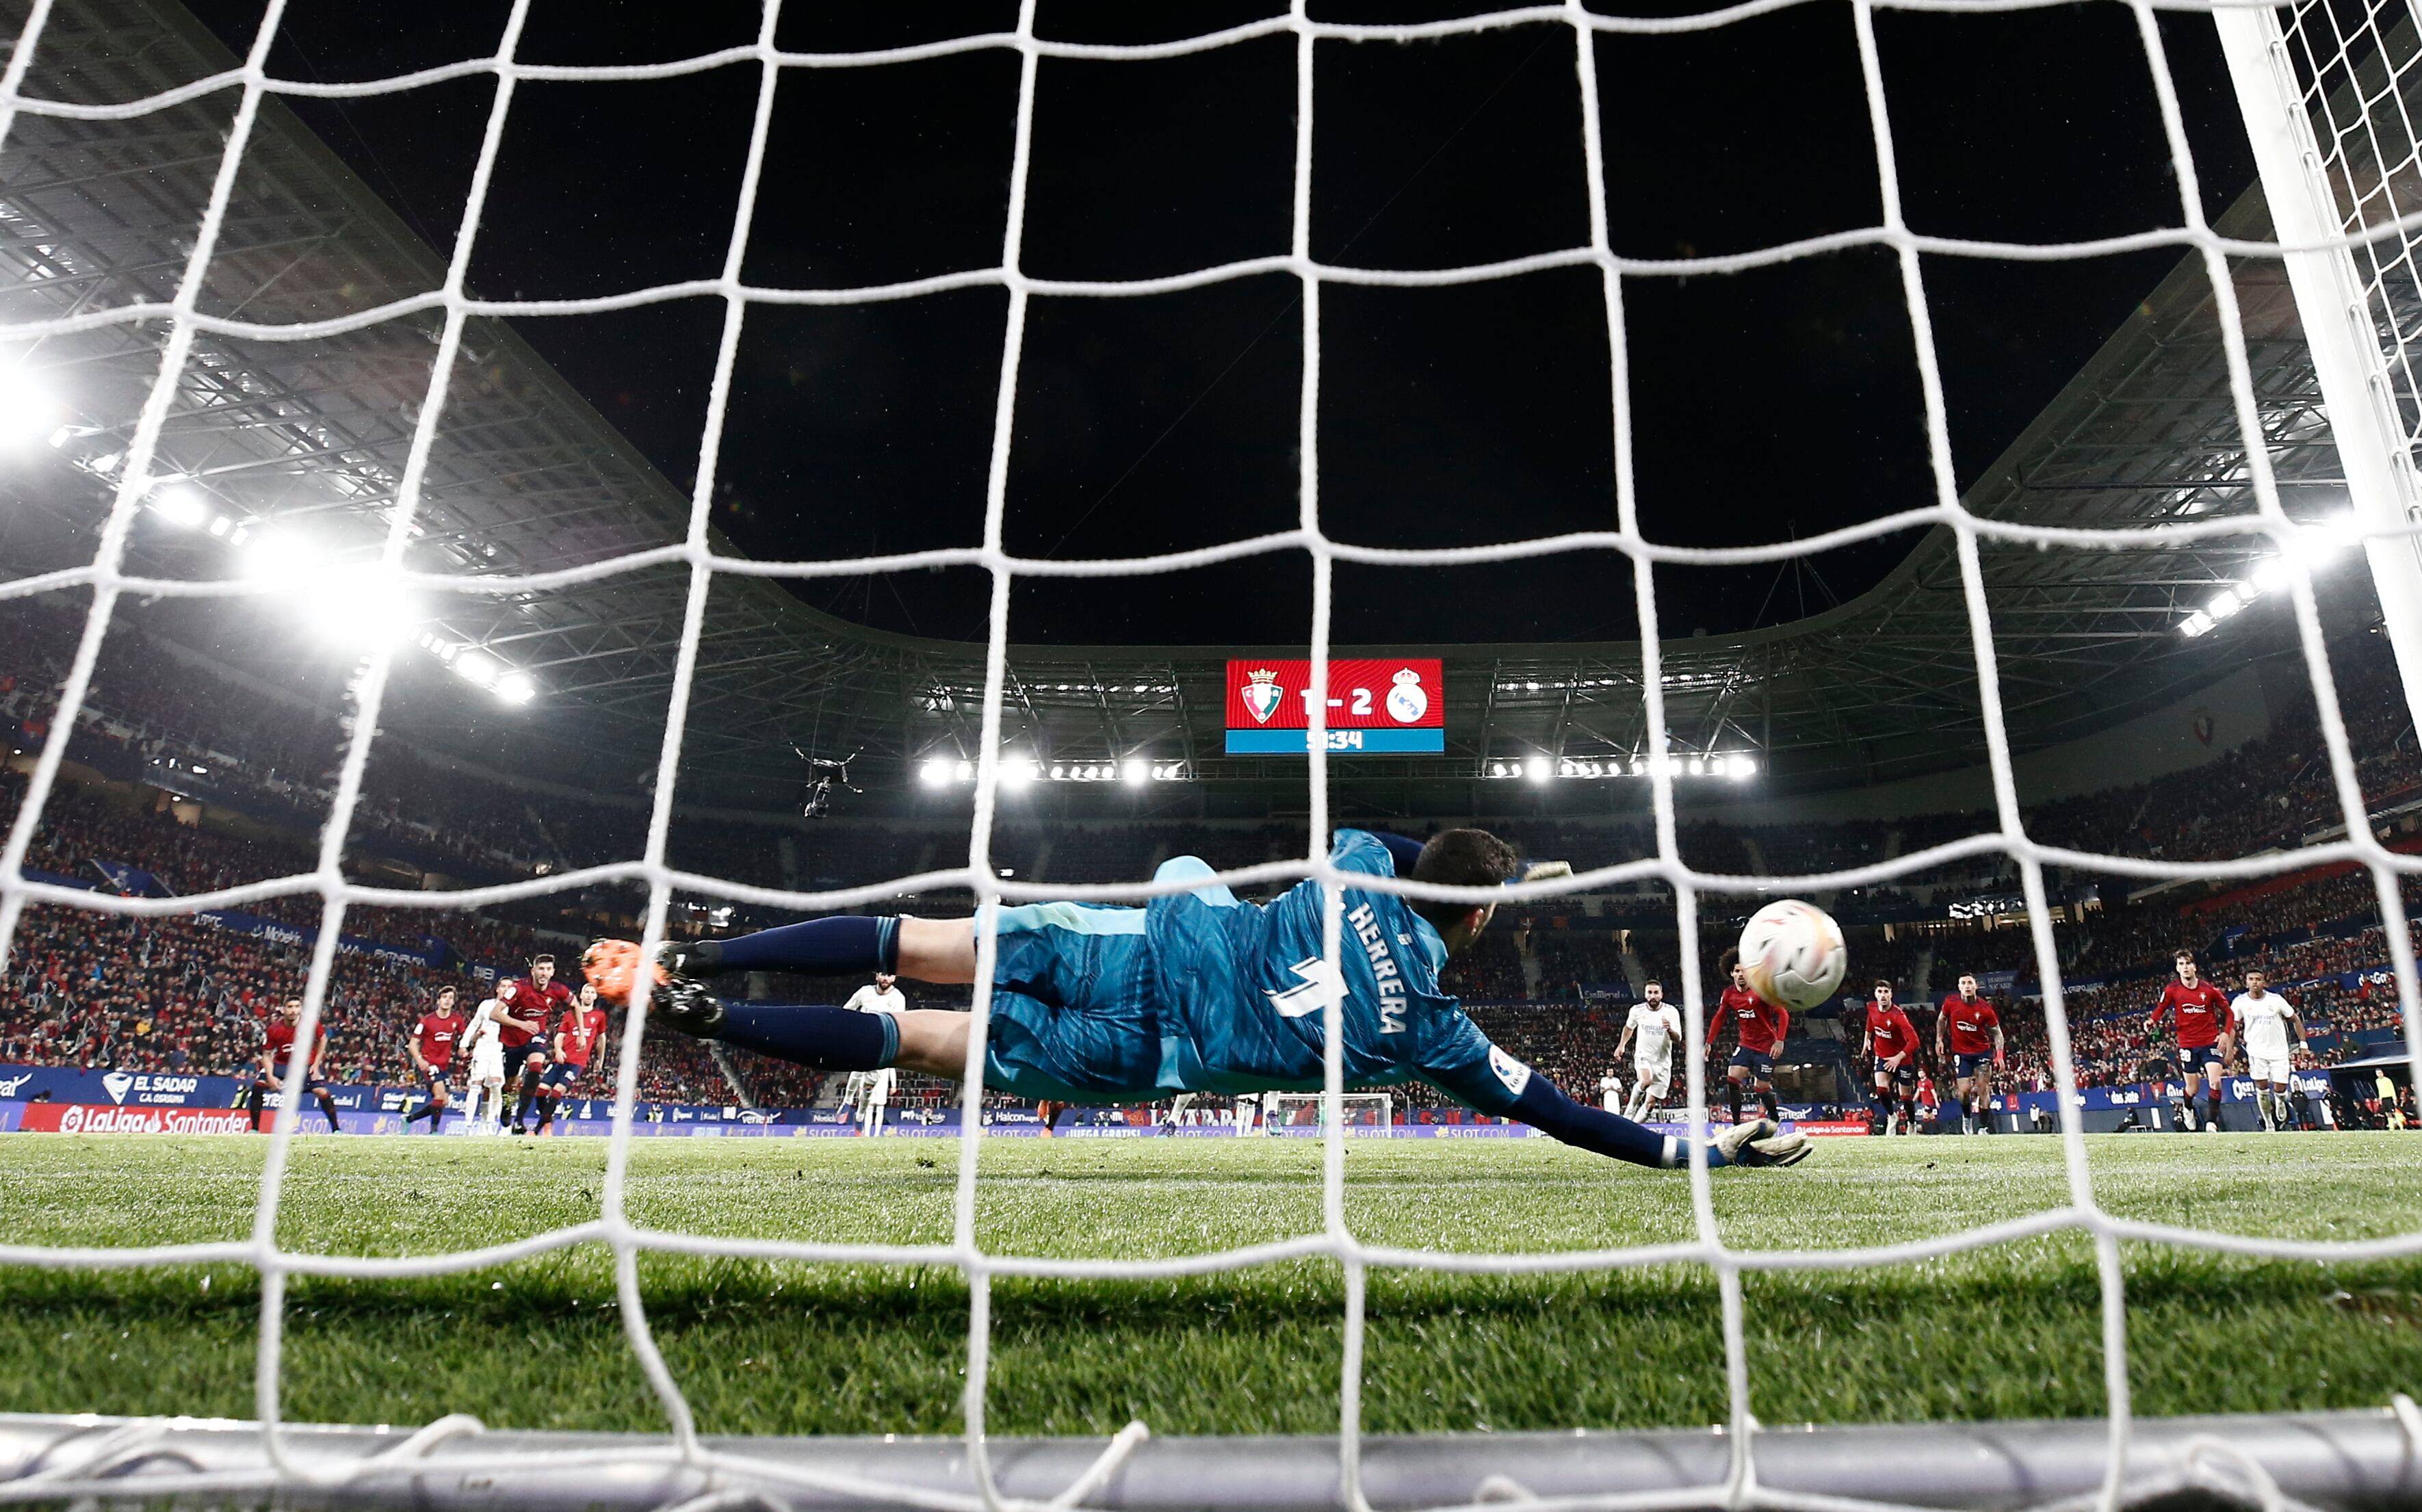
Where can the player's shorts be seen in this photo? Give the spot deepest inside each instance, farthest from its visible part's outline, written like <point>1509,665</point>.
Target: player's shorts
<point>488,1064</point>
<point>1658,1074</point>
<point>2193,1058</point>
<point>1964,1065</point>
<point>432,1077</point>
<point>1076,1011</point>
<point>1905,1073</point>
<point>1759,1062</point>
<point>518,1055</point>
<point>312,1085</point>
<point>560,1075</point>
<point>2269,1067</point>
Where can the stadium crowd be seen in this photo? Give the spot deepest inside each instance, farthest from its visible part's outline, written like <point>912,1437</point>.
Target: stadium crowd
<point>177,993</point>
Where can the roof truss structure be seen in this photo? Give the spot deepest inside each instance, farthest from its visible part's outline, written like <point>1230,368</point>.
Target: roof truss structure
<point>526,476</point>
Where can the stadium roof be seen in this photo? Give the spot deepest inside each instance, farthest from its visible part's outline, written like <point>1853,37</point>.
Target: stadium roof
<point>308,437</point>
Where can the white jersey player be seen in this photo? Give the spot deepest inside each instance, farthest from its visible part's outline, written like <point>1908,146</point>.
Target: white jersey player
<point>1659,1027</point>
<point>882,996</point>
<point>2264,1019</point>
<point>486,1039</point>
<point>869,1092</point>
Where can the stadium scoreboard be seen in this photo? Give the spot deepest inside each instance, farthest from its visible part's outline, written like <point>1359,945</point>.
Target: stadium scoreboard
<point>1395,705</point>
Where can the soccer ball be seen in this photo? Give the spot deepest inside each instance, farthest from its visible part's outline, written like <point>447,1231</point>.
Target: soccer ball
<point>1794,953</point>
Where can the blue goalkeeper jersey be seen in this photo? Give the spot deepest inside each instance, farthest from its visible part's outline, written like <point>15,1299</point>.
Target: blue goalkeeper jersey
<point>1242,991</point>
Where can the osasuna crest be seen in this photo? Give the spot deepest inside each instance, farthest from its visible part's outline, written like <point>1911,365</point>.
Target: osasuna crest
<point>1406,700</point>
<point>1261,694</point>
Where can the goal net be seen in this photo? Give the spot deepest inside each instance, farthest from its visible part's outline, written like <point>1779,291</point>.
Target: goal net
<point>2327,94</point>
<point>1311,1113</point>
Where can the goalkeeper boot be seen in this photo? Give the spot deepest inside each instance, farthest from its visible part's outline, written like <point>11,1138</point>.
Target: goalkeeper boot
<point>678,1001</point>
<point>1761,1142</point>
<point>681,1003</point>
<point>613,964</point>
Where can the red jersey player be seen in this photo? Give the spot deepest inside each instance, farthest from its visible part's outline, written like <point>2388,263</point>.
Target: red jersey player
<point>2201,1011</point>
<point>1977,1052</point>
<point>1760,1027</point>
<point>1892,1041</point>
<point>430,1046</point>
<point>576,1040</point>
<point>524,1009</point>
<point>277,1049</point>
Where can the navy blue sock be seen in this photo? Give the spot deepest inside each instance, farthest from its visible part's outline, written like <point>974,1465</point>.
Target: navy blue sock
<point>830,1039</point>
<point>846,945</point>
<point>1544,1106</point>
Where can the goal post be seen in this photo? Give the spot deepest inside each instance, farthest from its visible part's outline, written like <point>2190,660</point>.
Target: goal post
<point>1305,1113</point>
<point>2362,1459</point>
<point>2364,182</point>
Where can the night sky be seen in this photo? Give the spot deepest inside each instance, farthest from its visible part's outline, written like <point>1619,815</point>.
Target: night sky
<point>1770,403</point>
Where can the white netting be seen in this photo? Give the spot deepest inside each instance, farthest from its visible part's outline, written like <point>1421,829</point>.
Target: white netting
<point>1335,1240</point>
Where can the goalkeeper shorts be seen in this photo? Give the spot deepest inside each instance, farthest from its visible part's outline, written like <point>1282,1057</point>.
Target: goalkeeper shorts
<point>1076,1015</point>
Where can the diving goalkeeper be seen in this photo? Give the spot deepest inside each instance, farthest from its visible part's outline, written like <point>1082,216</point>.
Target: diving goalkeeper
<point>1196,992</point>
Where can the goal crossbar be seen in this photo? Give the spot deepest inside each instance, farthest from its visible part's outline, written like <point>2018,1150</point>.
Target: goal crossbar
<point>2339,1461</point>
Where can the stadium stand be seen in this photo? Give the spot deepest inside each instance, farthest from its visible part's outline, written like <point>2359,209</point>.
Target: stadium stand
<point>219,781</point>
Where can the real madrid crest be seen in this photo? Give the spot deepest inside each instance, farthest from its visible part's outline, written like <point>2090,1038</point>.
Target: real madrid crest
<point>1408,701</point>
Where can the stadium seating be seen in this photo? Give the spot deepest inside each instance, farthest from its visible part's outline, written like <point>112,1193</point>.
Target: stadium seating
<point>178,994</point>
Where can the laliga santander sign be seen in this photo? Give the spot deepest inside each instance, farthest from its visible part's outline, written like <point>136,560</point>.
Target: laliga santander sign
<point>1374,704</point>
<point>98,1118</point>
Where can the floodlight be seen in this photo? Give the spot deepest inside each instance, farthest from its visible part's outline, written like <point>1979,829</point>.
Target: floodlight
<point>2224,603</point>
<point>1134,771</point>
<point>180,502</point>
<point>27,413</point>
<point>1536,769</point>
<point>476,668</point>
<point>2322,540</point>
<point>2196,625</point>
<point>1744,766</point>
<point>280,553</point>
<point>1016,771</point>
<point>935,772</point>
<point>357,606</point>
<point>964,771</point>
<point>516,687</point>
<point>2270,573</point>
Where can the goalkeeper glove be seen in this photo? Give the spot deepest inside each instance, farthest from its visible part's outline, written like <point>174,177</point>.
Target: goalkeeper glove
<point>1547,871</point>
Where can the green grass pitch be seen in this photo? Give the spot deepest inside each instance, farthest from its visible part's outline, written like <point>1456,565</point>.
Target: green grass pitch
<point>2010,1331</point>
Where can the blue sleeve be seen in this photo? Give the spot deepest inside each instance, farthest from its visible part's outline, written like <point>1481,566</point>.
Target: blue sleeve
<point>1459,1059</point>
<point>1544,1106</point>
<point>1359,850</point>
<point>1407,853</point>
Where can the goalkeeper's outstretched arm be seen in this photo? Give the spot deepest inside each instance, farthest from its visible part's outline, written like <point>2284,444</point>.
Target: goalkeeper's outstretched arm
<point>1547,1108</point>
